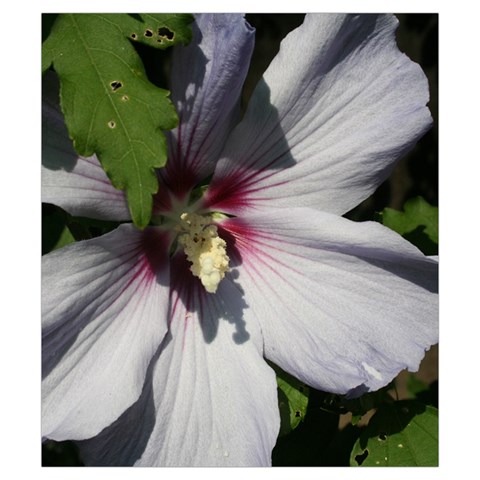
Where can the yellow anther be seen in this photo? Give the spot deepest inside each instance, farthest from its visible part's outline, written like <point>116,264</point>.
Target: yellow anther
<point>205,250</point>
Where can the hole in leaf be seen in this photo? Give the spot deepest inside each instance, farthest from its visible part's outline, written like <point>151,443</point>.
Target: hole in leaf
<point>116,85</point>
<point>166,32</point>
<point>361,458</point>
<point>297,413</point>
<point>133,36</point>
<point>148,33</point>
<point>382,436</point>
<point>111,124</point>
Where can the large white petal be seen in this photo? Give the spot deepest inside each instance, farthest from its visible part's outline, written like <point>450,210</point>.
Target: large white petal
<point>341,304</point>
<point>77,184</point>
<point>336,108</point>
<point>207,80</point>
<point>104,314</point>
<point>210,399</point>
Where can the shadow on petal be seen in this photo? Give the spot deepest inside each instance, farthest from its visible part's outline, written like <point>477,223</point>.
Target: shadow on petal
<point>124,441</point>
<point>142,262</point>
<point>190,301</point>
<point>263,149</point>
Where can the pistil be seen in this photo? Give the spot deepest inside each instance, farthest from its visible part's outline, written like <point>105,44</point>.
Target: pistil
<point>204,248</point>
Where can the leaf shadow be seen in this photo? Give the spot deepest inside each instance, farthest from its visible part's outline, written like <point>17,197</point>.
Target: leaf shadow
<point>422,240</point>
<point>57,149</point>
<point>390,418</point>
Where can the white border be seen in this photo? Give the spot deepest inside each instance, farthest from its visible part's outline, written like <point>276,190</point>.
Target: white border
<point>458,100</point>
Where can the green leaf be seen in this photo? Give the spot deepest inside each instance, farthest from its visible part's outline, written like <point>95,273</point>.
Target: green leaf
<point>110,107</point>
<point>292,401</point>
<point>55,231</point>
<point>59,228</point>
<point>66,238</point>
<point>158,30</point>
<point>418,223</point>
<point>400,434</point>
<point>415,385</point>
